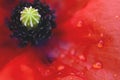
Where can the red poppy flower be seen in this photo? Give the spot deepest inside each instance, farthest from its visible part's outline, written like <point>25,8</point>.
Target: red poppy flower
<point>83,46</point>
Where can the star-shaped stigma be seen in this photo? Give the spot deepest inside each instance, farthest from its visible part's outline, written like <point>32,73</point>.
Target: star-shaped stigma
<point>30,17</point>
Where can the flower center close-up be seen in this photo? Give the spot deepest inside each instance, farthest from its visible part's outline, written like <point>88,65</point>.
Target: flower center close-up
<point>30,17</point>
<point>32,23</point>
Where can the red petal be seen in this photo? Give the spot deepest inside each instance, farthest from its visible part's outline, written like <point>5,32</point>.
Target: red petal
<point>84,50</point>
<point>66,8</point>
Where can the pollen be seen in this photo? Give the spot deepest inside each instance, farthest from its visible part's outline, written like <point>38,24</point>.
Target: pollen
<point>30,17</point>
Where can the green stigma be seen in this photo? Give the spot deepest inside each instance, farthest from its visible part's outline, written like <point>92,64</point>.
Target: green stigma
<point>30,17</point>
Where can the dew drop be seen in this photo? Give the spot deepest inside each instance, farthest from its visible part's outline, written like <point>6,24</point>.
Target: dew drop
<point>89,35</point>
<point>62,55</point>
<point>115,75</point>
<point>100,44</point>
<point>82,57</point>
<point>72,73</point>
<point>117,16</point>
<point>72,51</point>
<point>81,73</point>
<point>47,72</point>
<point>61,67</point>
<point>101,35</point>
<point>97,65</point>
<point>79,24</point>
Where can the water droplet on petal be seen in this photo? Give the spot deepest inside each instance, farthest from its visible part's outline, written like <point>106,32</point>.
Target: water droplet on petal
<point>61,67</point>
<point>72,51</point>
<point>47,72</point>
<point>115,75</point>
<point>97,65</point>
<point>117,16</point>
<point>79,24</point>
<point>101,35</point>
<point>62,56</point>
<point>82,57</point>
<point>100,44</point>
<point>89,35</point>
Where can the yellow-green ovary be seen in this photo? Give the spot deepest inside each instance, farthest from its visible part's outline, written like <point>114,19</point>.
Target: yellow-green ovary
<point>30,17</point>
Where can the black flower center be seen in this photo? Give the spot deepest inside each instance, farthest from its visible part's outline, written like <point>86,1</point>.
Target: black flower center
<point>33,28</point>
